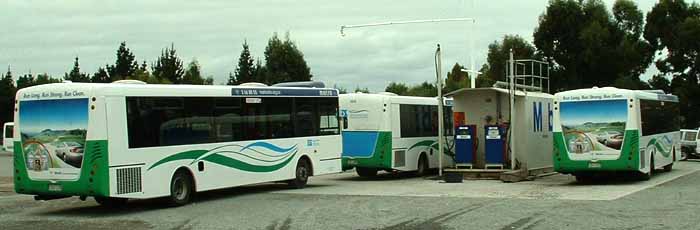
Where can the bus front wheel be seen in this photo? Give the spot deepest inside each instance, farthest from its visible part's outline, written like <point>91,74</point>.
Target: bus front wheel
<point>301,175</point>
<point>111,202</point>
<point>181,189</point>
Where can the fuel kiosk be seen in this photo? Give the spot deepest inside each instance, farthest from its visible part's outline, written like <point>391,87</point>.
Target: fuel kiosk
<point>529,131</point>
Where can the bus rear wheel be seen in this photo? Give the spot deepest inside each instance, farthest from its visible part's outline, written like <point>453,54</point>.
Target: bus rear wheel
<point>422,166</point>
<point>111,202</point>
<point>668,168</point>
<point>584,178</point>
<point>181,189</point>
<point>366,172</point>
<point>301,175</point>
<point>647,176</point>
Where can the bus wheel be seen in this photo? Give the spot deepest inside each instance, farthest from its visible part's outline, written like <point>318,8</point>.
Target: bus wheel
<point>181,189</point>
<point>111,202</point>
<point>584,178</point>
<point>422,166</point>
<point>647,176</point>
<point>668,168</point>
<point>366,172</point>
<point>301,175</point>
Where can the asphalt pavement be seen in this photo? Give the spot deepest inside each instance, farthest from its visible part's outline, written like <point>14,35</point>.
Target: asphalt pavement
<point>668,201</point>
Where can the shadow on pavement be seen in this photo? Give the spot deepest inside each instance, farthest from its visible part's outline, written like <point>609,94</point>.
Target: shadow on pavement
<point>157,204</point>
<point>385,176</point>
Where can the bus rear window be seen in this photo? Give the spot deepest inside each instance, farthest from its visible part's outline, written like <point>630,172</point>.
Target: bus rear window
<point>8,131</point>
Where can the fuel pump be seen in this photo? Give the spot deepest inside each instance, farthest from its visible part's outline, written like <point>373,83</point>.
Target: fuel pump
<point>466,143</point>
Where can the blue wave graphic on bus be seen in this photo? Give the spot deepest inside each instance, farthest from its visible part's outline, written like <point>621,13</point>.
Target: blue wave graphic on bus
<point>269,146</point>
<point>253,157</point>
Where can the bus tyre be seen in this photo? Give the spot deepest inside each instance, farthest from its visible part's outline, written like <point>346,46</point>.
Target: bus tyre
<point>422,166</point>
<point>584,178</point>
<point>301,175</point>
<point>366,172</point>
<point>668,168</point>
<point>647,176</point>
<point>181,189</point>
<point>111,202</point>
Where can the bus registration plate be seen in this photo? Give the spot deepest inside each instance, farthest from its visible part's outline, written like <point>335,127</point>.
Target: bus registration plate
<point>352,162</point>
<point>55,187</point>
<point>594,165</point>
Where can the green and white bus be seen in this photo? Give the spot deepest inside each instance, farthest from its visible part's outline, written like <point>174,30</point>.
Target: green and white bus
<point>121,141</point>
<point>602,130</point>
<point>393,133</point>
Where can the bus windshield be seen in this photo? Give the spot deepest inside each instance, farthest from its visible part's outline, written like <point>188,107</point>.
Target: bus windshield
<point>594,126</point>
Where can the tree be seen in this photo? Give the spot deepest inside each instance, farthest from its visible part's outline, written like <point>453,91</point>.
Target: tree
<point>7,96</point>
<point>424,89</point>
<point>341,90</point>
<point>26,80</point>
<point>193,74</point>
<point>456,79</point>
<point>169,66</point>
<point>587,46</point>
<point>209,80</point>
<point>124,66</point>
<point>674,26</point>
<point>284,62</point>
<point>660,82</point>
<point>397,88</point>
<point>498,56</point>
<point>245,70</point>
<point>45,78</point>
<point>75,75</point>
<point>361,90</point>
<point>100,76</point>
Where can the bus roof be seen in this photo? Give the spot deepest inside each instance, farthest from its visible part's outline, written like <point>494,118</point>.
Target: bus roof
<point>115,89</point>
<point>399,99</point>
<point>613,93</point>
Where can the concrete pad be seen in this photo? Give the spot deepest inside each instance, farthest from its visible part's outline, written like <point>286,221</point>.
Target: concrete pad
<point>562,187</point>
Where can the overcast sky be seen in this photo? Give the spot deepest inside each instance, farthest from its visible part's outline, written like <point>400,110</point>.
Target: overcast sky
<point>45,36</point>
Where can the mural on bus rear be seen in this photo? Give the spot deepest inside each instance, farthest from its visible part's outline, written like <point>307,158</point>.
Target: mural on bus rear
<point>53,136</point>
<point>594,126</point>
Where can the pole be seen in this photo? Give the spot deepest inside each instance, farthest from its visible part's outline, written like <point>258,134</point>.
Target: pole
<point>471,57</point>
<point>441,117</point>
<point>511,76</point>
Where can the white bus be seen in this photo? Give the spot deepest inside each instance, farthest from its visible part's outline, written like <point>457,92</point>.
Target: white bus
<point>7,130</point>
<point>388,132</point>
<point>121,141</point>
<point>607,129</point>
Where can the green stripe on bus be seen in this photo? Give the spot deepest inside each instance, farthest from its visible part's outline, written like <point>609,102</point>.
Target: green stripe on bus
<point>187,155</point>
<point>426,143</point>
<point>659,147</point>
<point>240,165</point>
